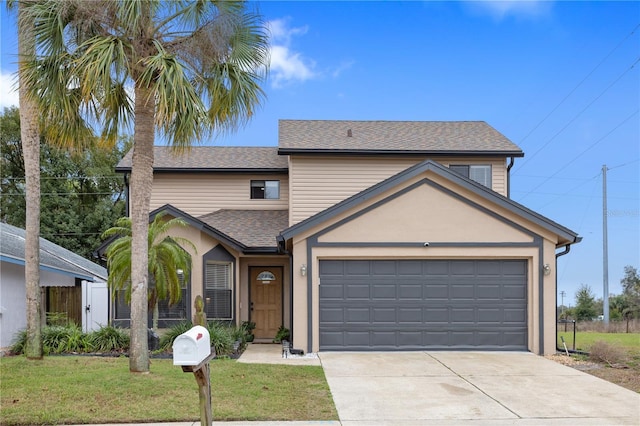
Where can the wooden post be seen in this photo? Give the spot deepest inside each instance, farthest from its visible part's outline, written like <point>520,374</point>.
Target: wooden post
<point>203,377</point>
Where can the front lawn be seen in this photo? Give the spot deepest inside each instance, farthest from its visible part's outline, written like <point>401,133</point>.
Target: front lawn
<point>586,339</point>
<point>83,389</point>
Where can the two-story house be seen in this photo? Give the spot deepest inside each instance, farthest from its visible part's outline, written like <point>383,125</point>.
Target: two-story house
<point>366,235</point>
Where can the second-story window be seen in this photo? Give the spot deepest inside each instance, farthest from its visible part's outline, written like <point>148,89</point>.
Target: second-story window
<point>265,189</point>
<point>476,172</point>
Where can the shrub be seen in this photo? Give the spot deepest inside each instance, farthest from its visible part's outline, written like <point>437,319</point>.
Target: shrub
<point>109,338</point>
<point>602,351</point>
<point>58,339</point>
<point>19,342</point>
<point>222,337</point>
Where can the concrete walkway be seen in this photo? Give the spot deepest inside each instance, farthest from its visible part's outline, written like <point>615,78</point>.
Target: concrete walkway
<point>479,388</point>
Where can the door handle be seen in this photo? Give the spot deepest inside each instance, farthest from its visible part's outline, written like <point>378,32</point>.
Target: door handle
<point>251,306</point>
<point>87,308</point>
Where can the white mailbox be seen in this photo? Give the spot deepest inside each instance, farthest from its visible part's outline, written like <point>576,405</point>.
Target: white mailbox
<point>191,347</point>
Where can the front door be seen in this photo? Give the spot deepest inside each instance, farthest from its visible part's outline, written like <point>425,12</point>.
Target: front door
<point>266,300</point>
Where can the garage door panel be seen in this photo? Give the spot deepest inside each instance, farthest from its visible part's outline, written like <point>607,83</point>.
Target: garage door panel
<point>423,304</point>
<point>332,291</point>
<point>358,291</point>
<point>357,268</point>
<point>383,267</point>
<point>332,267</point>
<point>462,291</point>
<point>410,315</point>
<point>490,315</point>
<point>491,268</point>
<point>515,315</point>
<point>463,315</point>
<point>384,316</point>
<point>410,268</point>
<point>410,291</point>
<point>436,315</point>
<point>383,291</point>
<point>332,316</point>
<point>357,316</point>
<point>436,291</point>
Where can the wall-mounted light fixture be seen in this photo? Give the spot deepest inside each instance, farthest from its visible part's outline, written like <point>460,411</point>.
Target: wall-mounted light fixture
<point>303,270</point>
<point>546,269</point>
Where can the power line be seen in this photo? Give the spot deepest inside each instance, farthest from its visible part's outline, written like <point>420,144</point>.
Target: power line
<point>582,153</point>
<point>580,83</point>
<point>575,117</point>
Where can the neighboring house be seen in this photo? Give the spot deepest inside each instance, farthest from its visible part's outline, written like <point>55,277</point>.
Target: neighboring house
<point>71,285</point>
<point>367,235</point>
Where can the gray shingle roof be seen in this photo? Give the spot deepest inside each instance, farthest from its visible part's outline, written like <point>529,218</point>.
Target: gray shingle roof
<point>253,228</point>
<point>393,136</point>
<point>52,256</point>
<point>213,158</point>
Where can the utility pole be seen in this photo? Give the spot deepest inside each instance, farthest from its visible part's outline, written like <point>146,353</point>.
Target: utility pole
<point>562,293</point>
<point>605,248</point>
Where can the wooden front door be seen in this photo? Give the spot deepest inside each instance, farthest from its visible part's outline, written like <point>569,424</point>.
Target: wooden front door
<point>266,300</point>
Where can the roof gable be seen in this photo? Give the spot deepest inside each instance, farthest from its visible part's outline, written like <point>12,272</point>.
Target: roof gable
<point>356,200</point>
<point>389,137</point>
<point>242,230</point>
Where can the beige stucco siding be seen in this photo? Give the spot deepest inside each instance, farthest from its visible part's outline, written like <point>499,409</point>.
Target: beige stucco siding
<point>317,183</point>
<point>469,225</point>
<point>204,243</point>
<point>198,194</point>
<point>426,214</point>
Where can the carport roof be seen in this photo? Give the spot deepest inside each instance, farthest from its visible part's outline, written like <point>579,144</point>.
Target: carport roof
<point>52,256</point>
<point>393,137</point>
<point>566,235</point>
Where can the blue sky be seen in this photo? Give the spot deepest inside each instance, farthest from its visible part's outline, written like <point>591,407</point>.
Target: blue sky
<point>560,79</point>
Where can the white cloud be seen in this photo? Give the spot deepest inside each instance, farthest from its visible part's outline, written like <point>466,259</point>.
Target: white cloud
<point>518,8</point>
<point>287,65</point>
<point>8,90</point>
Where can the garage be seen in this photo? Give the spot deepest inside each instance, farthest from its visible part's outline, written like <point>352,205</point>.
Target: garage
<point>413,304</point>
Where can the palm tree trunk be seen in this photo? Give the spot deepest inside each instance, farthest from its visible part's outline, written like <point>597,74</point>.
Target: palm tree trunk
<point>140,199</point>
<point>30,139</point>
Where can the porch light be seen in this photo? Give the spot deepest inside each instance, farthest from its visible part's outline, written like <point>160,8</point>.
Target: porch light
<point>546,269</point>
<point>303,270</point>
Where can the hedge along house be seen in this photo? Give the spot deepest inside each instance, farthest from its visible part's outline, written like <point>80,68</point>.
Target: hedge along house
<point>368,235</point>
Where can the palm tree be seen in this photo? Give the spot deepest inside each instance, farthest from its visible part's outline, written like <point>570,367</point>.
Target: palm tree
<point>194,68</point>
<point>30,139</point>
<point>167,260</point>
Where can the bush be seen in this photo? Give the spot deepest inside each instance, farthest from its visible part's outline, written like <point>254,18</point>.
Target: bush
<point>58,339</point>
<point>19,342</point>
<point>109,339</point>
<point>222,337</point>
<point>602,351</point>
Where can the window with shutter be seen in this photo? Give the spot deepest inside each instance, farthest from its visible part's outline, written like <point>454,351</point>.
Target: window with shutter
<point>218,301</point>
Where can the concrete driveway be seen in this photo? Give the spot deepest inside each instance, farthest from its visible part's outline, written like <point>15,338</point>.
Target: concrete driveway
<point>480,388</point>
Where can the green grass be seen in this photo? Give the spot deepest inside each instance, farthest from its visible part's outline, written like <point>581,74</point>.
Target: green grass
<point>72,389</point>
<point>584,340</point>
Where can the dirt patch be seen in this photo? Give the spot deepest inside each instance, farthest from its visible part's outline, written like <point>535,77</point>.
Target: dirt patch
<point>625,376</point>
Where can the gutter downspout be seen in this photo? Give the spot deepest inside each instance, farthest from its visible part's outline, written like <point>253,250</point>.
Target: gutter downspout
<point>511,163</point>
<point>282,250</point>
<point>567,249</point>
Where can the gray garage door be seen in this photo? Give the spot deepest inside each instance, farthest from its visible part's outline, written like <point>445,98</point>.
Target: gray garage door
<point>423,304</point>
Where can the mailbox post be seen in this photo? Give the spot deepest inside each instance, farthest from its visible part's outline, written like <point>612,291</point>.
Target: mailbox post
<point>192,351</point>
